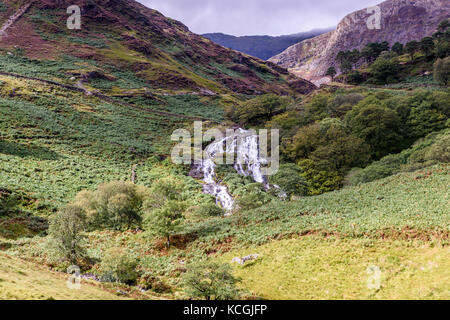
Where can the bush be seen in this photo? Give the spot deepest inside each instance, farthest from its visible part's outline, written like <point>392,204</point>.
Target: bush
<point>319,181</point>
<point>290,180</point>
<point>385,167</point>
<point>440,150</point>
<point>252,196</point>
<point>209,210</point>
<point>385,70</point>
<point>355,77</point>
<point>428,112</point>
<point>330,146</point>
<point>425,152</point>
<point>211,281</point>
<point>258,110</point>
<point>118,266</point>
<point>150,282</point>
<point>441,71</point>
<point>375,124</point>
<point>114,205</point>
<point>9,204</point>
<point>66,233</point>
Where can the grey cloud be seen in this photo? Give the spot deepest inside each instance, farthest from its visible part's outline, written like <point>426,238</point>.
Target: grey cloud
<point>254,17</point>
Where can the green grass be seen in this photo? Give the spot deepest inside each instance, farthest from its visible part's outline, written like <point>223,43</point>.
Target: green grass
<point>313,267</point>
<point>22,280</point>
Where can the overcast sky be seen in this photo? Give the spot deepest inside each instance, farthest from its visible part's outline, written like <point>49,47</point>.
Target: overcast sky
<point>257,17</point>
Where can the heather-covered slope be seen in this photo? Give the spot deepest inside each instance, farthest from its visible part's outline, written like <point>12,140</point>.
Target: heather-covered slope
<point>401,20</point>
<point>123,45</point>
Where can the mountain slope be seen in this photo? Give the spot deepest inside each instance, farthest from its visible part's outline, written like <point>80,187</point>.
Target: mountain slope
<point>401,20</point>
<point>263,47</point>
<point>123,45</point>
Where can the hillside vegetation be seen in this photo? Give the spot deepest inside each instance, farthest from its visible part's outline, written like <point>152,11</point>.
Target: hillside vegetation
<point>87,179</point>
<point>123,46</point>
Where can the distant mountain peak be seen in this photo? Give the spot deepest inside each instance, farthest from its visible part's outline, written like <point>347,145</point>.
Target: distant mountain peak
<point>261,46</point>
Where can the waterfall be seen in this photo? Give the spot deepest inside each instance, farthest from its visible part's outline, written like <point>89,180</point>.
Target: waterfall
<point>244,145</point>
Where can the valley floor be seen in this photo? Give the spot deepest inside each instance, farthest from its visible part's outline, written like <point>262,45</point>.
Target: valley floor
<point>313,267</point>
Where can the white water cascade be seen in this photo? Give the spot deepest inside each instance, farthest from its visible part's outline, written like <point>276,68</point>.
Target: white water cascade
<point>244,145</point>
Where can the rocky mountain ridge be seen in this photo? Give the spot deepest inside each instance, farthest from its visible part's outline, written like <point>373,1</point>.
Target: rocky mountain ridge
<point>401,21</point>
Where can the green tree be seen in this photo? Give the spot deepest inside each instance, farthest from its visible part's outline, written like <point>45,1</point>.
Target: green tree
<point>442,30</point>
<point>442,49</point>
<point>211,281</point>
<point>257,110</point>
<point>385,70</point>
<point>427,46</point>
<point>441,71</point>
<point>345,60</point>
<point>166,221</point>
<point>66,233</point>
<point>373,50</point>
<point>331,72</point>
<point>398,48</point>
<point>411,48</point>
<point>114,205</point>
<point>377,125</point>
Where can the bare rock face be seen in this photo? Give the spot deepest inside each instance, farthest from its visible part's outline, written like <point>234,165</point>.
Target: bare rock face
<point>401,20</point>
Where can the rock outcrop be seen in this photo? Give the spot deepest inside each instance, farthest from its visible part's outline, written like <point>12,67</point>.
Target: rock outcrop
<point>401,20</point>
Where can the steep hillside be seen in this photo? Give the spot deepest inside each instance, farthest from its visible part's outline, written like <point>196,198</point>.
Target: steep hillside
<point>401,20</point>
<point>263,47</point>
<point>123,45</point>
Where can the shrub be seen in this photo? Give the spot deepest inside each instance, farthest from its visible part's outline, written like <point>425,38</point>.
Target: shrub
<point>209,209</point>
<point>9,204</point>
<point>330,146</point>
<point>428,112</point>
<point>343,103</point>
<point>385,167</point>
<point>66,233</point>
<point>441,71</point>
<point>385,70</point>
<point>119,266</point>
<point>156,284</point>
<point>355,77</point>
<point>398,48</point>
<point>319,181</point>
<point>440,150</point>
<point>252,196</point>
<point>425,152</point>
<point>211,281</point>
<point>290,180</point>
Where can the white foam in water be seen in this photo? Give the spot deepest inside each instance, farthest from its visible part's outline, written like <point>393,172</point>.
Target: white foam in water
<point>245,146</point>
